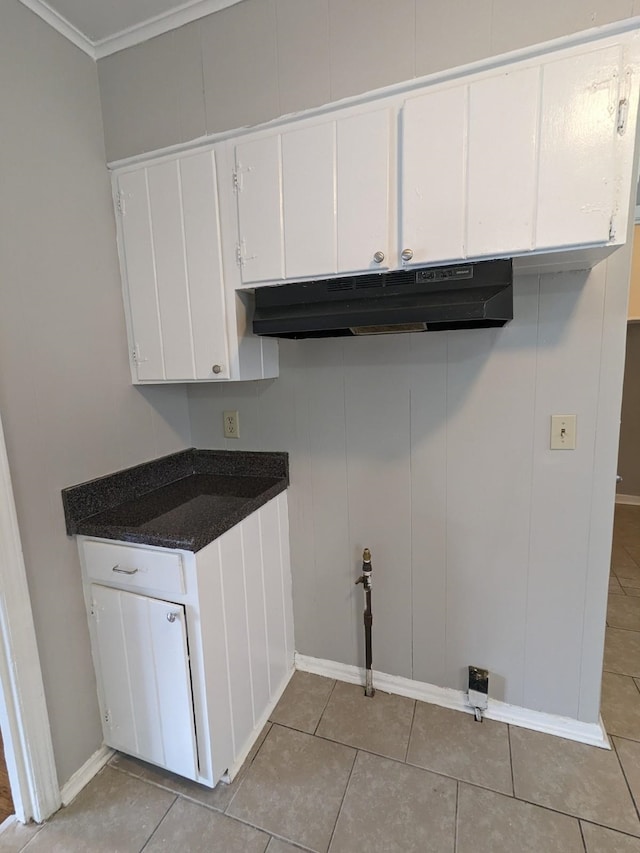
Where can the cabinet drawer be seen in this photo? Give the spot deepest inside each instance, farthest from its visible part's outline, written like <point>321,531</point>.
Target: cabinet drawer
<point>134,567</point>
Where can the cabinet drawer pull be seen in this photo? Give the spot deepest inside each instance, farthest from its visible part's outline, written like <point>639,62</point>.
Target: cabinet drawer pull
<point>117,568</point>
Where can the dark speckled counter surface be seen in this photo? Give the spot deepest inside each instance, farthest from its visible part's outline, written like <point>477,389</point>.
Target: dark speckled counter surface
<point>184,500</point>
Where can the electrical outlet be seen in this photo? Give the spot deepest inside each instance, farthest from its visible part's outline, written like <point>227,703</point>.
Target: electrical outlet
<point>231,425</point>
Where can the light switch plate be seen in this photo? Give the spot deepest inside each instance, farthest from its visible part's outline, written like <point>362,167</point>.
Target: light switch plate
<point>563,432</point>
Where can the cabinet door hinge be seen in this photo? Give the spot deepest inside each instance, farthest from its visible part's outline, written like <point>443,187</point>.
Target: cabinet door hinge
<point>612,228</point>
<point>236,177</point>
<point>136,355</point>
<point>623,113</point>
<point>107,717</point>
<point>120,203</point>
<point>240,253</point>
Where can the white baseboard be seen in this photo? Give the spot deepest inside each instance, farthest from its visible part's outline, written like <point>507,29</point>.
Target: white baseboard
<point>242,756</point>
<point>85,774</point>
<point>628,500</point>
<point>566,727</point>
<point>7,822</point>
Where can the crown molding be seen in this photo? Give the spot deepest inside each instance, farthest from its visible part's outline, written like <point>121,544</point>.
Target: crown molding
<point>171,20</point>
<point>55,20</point>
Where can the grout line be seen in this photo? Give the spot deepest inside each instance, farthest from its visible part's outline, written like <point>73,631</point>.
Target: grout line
<point>157,826</point>
<point>624,776</point>
<point>355,758</point>
<point>584,843</point>
<point>325,707</point>
<point>413,718</point>
<point>455,819</point>
<point>513,780</point>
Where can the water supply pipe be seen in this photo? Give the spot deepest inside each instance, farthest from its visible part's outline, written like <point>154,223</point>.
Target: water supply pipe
<point>365,580</point>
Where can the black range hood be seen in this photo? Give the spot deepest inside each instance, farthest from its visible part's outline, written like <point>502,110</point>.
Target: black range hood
<point>427,299</point>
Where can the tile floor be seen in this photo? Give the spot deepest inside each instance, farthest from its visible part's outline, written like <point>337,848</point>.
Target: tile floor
<point>335,771</point>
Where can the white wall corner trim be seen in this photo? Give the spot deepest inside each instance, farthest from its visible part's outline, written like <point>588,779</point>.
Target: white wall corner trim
<point>23,711</point>
<point>628,500</point>
<point>85,774</point>
<point>539,721</point>
<point>55,20</point>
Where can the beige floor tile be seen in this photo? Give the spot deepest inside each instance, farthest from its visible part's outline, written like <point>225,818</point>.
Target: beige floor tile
<point>303,701</point>
<point>628,575</point>
<point>629,755</point>
<point>381,723</point>
<point>624,612</point>
<point>622,651</point>
<point>492,823</point>
<point>190,828</point>
<point>277,846</point>
<point>453,743</point>
<point>631,590</point>
<point>216,798</point>
<point>395,808</point>
<point>16,836</point>
<point>621,559</point>
<point>114,812</point>
<point>614,586</point>
<point>620,705</point>
<point>571,777</point>
<point>294,787</point>
<point>633,548</point>
<point>600,840</point>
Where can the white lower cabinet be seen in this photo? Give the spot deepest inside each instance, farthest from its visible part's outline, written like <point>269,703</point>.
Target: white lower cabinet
<point>191,650</point>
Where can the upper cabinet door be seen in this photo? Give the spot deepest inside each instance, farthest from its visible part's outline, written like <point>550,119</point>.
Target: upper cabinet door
<point>503,124</point>
<point>174,280</point>
<point>309,192</point>
<point>363,180</point>
<point>579,117</point>
<point>205,276</point>
<point>259,188</point>
<point>138,262</point>
<point>433,168</point>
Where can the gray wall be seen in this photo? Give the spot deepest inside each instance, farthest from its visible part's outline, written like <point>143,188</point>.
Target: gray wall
<point>432,450</point>
<point>629,455</point>
<point>264,58</point>
<point>66,402</point>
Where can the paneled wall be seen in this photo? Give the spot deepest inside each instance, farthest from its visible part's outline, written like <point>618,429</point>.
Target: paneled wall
<point>629,458</point>
<point>432,449</point>
<point>68,408</point>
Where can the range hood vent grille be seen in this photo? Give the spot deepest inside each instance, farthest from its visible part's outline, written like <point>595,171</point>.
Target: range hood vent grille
<point>464,296</point>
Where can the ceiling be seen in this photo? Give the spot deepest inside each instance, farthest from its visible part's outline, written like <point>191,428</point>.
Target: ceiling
<point>101,27</point>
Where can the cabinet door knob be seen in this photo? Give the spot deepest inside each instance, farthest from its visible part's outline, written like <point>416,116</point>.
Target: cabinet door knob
<point>407,254</point>
<point>378,257</point>
<point>171,617</point>
<point>217,368</point>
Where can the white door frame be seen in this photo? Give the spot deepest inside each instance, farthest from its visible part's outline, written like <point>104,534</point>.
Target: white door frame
<point>24,719</point>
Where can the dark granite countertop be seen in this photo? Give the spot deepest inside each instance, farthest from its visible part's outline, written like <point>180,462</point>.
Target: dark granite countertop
<point>184,500</point>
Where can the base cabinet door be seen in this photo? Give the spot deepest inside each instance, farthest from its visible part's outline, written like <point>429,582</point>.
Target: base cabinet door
<point>145,681</point>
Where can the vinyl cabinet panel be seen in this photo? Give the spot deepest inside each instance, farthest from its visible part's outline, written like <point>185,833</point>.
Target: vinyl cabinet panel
<point>363,161</point>
<point>576,186</point>
<point>137,252</point>
<point>145,678</point>
<point>432,203</point>
<point>165,204</point>
<point>259,192</point>
<point>503,119</point>
<point>201,222</point>
<point>309,191</point>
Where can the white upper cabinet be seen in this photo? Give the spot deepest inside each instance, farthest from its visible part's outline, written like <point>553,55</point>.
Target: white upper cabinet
<point>313,199</point>
<point>580,112</point>
<point>433,181</point>
<point>257,179</point>
<point>182,319</point>
<point>533,158</point>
